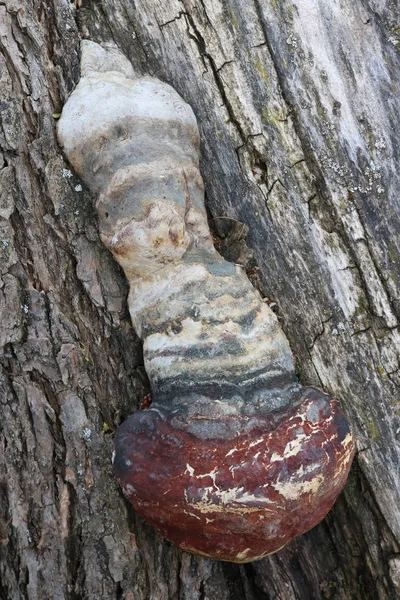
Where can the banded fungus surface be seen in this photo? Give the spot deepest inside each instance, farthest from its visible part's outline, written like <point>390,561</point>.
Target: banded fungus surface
<point>234,458</point>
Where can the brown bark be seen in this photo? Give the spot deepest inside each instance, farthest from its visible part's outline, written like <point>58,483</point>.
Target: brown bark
<point>297,107</point>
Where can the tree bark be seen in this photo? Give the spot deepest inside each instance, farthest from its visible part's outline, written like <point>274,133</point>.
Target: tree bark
<point>297,104</point>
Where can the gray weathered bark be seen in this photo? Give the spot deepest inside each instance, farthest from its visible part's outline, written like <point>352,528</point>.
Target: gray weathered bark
<point>297,105</point>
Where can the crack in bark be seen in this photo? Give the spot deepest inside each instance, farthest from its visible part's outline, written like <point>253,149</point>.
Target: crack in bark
<point>177,18</point>
<point>228,62</point>
<point>298,162</point>
<point>359,331</point>
<point>269,192</point>
<point>200,42</point>
<point>317,337</point>
<point>381,279</point>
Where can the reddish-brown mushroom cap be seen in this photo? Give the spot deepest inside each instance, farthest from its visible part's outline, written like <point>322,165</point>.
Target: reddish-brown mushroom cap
<point>242,498</point>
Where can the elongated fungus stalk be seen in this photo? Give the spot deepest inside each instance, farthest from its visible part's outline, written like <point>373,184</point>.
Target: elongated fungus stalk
<point>233,458</point>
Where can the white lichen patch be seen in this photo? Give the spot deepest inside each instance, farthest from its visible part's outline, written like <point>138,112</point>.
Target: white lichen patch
<point>86,433</point>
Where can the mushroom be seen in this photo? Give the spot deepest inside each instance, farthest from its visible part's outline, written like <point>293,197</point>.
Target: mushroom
<point>234,458</point>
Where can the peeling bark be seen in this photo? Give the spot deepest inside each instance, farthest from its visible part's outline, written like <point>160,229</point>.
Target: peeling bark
<point>297,105</point>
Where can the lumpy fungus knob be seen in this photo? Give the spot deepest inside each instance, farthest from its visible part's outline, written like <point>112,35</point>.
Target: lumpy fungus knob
<point>233,458</point>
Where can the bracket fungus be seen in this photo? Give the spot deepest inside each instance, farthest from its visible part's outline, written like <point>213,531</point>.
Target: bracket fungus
<point>234,458</point>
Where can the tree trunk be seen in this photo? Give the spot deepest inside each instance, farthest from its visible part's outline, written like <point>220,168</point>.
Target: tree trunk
<point>297,104</point>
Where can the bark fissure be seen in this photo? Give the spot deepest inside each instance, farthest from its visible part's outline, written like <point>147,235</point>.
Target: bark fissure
<point>179,16</point>
<point>199,40</point>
